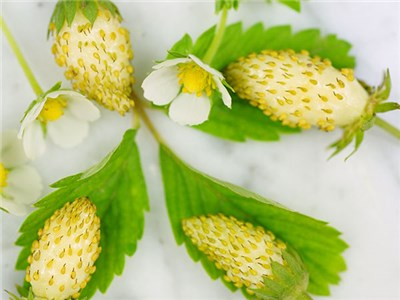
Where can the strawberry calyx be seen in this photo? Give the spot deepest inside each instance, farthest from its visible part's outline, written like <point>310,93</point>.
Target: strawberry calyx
<point>65,11</point>
<point>288,281</point>
<point>376,104</point>
<point>250,256</point>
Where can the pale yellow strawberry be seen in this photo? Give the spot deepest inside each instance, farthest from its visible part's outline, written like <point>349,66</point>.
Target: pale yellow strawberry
<point>297,89</point>
<point>97,58</point>
<point>62,259</point>
<point>244,251</point>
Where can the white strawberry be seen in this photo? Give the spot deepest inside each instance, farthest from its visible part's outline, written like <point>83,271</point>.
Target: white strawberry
<point>245,252</point>
<point>299,90</point>
<point>62,259</point>
<point>96,56</point>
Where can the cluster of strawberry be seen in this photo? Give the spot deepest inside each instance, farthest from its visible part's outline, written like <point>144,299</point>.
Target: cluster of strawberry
<point>295,88</point>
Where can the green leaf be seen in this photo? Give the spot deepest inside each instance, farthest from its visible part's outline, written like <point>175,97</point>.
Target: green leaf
<point>293,4</point>
<point>117,188</point>
<point>241,122</point>
<point>238,42</point>
<point>190,193</point>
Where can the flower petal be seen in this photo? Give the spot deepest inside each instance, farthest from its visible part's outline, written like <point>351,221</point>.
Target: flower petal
<point>33,140</point>
<point>226,97</point>
<point>12,152</point>
<point>15,208</point>
<point>82,109</point>
<point>161,86</point>
<point>30,117</point>
<point>68,131</point>
<point>66,93</point>
<point>24,185</point>
<point>170,63</point>
<point>188,109</point>
<point>206,67</point>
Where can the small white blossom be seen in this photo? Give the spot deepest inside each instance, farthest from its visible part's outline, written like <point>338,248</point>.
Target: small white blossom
<point>20,184</point>
<point>187,85</point>
<point>62,114</point>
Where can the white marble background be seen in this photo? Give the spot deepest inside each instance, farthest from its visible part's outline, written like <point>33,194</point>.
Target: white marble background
<point>360,197</point>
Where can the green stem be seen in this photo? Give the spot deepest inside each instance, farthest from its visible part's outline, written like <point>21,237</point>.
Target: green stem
<point>21,59</point>
<point>387,127</point>
<point>143,115</point>
<point>135,119</point>
<point>208,57</point>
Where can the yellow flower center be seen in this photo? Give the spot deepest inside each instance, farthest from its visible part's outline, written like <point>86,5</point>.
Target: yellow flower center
<point>195,80</point>
<point>53,109</point>
<point>3,176</point>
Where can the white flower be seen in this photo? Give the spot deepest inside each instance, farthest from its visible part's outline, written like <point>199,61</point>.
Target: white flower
<point>186,84</point>
<point>62,114</point>
<point>20,184</point>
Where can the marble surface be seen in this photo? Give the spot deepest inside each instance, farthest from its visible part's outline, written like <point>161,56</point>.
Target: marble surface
<point>361,197</point>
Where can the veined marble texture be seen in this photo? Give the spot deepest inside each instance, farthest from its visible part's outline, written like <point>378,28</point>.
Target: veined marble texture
<point>360,197</point>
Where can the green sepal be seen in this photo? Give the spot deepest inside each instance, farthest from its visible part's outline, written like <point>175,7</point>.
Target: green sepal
<point>289,281</point>
<point>25,295</point>
<point>226,4</point>
<point>387,106</point>
<point>117,187</point>
<point>90,10</point>
<point>376,104</point>
<point>234,4</point>
<point>65,11</point>
<point>189,193</point>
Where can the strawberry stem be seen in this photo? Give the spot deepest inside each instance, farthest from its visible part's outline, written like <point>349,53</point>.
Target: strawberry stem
<point>209,56</point>
<point>135,118</point>
<point>149,124</point>
<point>21,59</point>
<point>387,127</point>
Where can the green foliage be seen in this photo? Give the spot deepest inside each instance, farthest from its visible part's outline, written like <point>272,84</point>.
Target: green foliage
<point>182,48</point>
<point>65,11</point>
<point>117,187</point>
<point>238,42</point>
<point>243,121</point>
<point>190,193</point>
